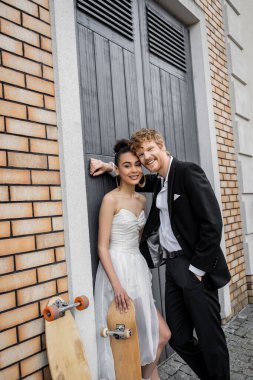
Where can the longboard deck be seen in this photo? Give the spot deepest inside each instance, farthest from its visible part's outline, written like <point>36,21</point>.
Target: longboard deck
<point>65,350</point>
<point>126,352</point>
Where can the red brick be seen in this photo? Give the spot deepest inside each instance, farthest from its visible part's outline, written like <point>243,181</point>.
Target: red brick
<point>36,376</point>
<point>20,351</point>
<point>26,6</point>
<point>11,142</point>
<point>12,176</point>
<point>5,231</point>
<point>2,126</point>
<point>62,285</point>
<point>55,192</point>
<point>7,338</point>
<point>17,316</point>
<point>21,64</point>
<point>50,240</point>
<point>52,132</point>
<point>4,195</point>
<point>6,263</point>
<point>29,193</point>
<point>43,3</point>
<point>17,280</point>
<point>10,44</point>
<point>44,15</point>
<point>47,208</point>
<point>26,128</point>
<point>41,116</point>
<point>57,224</point>
<point>10,13</point>
<point>38,55</point>
<point>48,73</point>
<point>35,293</point>
<point>10,373</point>
<point>3,156</point>
<point>54,163</point>
<point>16,245</point>
<point>36,25</point>
<point>23,96</point>
<point>31,226</point>
<point>49,102</point>
<point>50,272</point>
<point>44,146</point>
<point>12,76</point>
<point>23,160</point>
<point>60,253</point>
<point>12,109</point>
<point>45,177</point>
<point>46,44</point>
<point>19,33</point>
<point>47,374</point>
<point>31,329</point>
<point>15,210</point>
<point>40,85</point>
<point>34,259</point>
<point>34,363</point>
<point>8,301</point>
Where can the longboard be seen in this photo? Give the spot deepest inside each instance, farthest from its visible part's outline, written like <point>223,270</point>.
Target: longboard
<point>65,351</point>
<point>122,329</point>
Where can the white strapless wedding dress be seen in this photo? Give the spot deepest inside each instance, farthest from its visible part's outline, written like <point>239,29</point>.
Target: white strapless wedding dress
<point>135,278</point>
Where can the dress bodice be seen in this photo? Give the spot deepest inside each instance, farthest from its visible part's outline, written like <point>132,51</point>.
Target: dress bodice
<point>125,231</point>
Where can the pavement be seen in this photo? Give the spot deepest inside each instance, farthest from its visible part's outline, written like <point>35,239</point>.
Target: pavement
<point>239,333</point>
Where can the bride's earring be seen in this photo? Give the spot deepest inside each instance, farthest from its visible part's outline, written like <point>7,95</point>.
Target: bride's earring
<point>117,180</point>
<point>143,183</point>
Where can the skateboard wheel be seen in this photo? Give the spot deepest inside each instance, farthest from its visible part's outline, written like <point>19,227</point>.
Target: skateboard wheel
<point>128,333</point>
<point>104,332</point>
<point>51,313</point>
<point>83,302</point>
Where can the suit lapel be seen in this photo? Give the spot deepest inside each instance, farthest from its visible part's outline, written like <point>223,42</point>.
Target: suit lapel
<point>170,184</point>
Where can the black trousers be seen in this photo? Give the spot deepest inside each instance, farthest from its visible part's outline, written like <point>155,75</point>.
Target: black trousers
<point>189,305</point>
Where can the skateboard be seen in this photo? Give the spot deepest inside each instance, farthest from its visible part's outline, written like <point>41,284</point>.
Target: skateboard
<point>65,350</point>
<point>123,333</point>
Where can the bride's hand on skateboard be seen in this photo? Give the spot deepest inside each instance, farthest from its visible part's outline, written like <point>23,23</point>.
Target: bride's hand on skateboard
<point>121,299</point>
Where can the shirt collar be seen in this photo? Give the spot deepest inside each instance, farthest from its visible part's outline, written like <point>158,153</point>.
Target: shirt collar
<point>165,180</point>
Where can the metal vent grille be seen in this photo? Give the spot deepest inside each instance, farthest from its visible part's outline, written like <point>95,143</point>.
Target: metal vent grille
<point>117,14</point>
<point>165,41</point>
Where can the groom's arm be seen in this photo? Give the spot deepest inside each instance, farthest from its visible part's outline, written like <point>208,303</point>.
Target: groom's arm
<point>98,167</point>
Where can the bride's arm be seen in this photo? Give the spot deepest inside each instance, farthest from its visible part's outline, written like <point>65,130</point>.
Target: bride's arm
<point>107,211</point>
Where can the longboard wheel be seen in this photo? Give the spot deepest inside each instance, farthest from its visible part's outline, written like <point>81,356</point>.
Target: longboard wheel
<point>83,302</point>
<point>51,313</point>
<point>104,332</point>
<point>128,333</point>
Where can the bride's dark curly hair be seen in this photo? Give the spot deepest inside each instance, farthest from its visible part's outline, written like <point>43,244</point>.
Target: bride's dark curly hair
<point>121,146</point>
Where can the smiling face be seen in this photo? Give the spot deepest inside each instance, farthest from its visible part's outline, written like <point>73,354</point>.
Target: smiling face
<point>129,168</point>
<point>154,157</point>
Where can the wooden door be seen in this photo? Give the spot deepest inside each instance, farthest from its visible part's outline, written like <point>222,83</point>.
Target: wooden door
<point>135,72</point>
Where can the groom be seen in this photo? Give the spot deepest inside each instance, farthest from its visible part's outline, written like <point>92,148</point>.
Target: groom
<point>186,214</point>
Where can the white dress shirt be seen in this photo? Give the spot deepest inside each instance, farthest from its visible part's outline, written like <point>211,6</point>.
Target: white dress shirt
<point>166,235</point>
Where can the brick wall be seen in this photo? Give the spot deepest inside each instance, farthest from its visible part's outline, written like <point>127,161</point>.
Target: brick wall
<point>32,262</point>
<point>226,152</point>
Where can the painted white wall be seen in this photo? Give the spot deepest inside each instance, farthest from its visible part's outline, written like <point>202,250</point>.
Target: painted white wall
<point>76,230</point>
<point>239,28</point>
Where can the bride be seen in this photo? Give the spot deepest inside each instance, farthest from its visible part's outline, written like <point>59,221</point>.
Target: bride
<point>122,272</point>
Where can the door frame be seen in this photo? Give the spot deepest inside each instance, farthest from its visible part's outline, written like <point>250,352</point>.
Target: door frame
<point>63,14</point>
<point>72,169</point>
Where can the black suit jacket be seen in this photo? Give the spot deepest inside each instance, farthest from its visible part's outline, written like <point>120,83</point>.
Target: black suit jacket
<point>195,220</point>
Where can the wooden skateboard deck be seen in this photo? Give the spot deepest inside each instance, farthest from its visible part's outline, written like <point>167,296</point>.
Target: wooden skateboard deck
<point>125,352</point>
<point>65,350</point>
